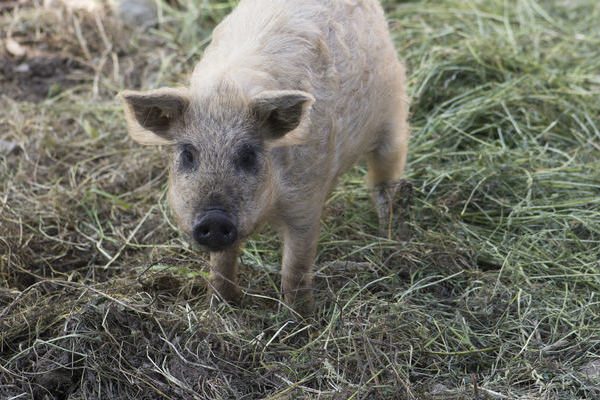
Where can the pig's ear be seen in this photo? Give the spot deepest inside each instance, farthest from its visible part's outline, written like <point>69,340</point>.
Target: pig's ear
<point>279,112</point>
<point>151,114</point>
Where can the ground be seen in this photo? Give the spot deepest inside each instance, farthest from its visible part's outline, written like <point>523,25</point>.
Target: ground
<point>489,290</point>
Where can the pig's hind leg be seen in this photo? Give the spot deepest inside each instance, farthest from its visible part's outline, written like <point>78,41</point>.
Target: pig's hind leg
<point>385,167</point>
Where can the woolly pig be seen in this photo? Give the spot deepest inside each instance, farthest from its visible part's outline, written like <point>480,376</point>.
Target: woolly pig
<point>288,95</point>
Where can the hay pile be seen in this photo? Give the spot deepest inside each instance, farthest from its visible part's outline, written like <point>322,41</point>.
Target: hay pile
<point>489,291</point>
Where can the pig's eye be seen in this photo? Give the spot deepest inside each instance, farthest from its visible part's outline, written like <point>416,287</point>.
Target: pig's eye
<point>246,158</point>
<point>187,157</point>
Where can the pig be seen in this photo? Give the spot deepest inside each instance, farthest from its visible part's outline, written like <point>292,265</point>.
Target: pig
<point>287,97</point>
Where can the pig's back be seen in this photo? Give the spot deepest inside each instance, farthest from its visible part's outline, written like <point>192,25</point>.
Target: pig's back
<point>338,50</point>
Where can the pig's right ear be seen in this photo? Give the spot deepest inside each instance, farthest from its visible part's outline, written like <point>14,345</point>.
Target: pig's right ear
<point>280,113</point>
<point>151,114</point>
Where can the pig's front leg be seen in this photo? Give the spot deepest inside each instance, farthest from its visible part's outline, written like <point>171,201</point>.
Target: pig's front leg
<point>299,249</point>
<point>223,274</point>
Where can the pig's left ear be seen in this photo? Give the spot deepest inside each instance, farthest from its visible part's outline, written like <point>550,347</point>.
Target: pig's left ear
<point>280,112</point>
<point>151,114</point>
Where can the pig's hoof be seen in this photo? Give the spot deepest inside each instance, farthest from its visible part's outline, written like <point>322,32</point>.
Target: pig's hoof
<point>393,203</point>
<point>302,307</point>
<point>229,294</point>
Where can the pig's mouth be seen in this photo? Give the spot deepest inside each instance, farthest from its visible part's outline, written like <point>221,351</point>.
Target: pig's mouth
<point>215,230</point>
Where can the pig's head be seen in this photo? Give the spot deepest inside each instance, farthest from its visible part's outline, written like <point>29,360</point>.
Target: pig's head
<point>222,179</point>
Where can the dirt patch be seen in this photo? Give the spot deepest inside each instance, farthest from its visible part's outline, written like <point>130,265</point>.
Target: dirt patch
<point>7,5</point>
<point>38,78</point>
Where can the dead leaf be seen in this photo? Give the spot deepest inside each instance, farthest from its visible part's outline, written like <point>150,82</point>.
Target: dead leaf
<point>14,48</point>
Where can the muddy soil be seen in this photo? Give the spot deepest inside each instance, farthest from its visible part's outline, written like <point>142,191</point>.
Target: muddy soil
<point>38,78</point>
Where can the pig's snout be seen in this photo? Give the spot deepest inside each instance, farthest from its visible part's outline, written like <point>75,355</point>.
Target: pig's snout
<point>215,230</point>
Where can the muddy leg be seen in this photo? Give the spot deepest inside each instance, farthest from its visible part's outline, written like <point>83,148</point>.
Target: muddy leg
<point>392,202</point>
<point>386,165</point>
<point>223,275</point>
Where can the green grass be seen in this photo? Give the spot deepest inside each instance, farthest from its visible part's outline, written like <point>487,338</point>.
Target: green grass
<point>490,291</point>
